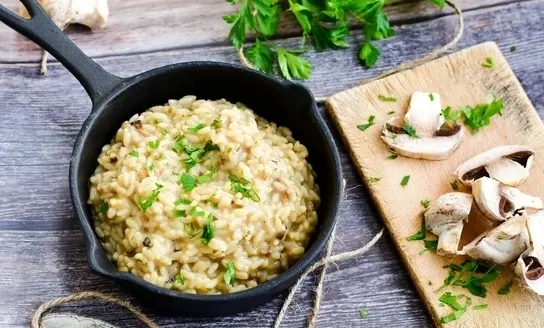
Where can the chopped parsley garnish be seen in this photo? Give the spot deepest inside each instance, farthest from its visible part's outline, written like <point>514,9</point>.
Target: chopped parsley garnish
<point>154,144</point>
<point>365,126</point>
<point>183,200</point>
<point>454,185</point>
<point>216,124</point>
<point>191,230</point>
<point>196,128</point>
<point>205,178</point>
<point>103,208</point>
<point>480,116</point>
<point>453,301</point>
<point>480,307</point>
<point>152,167</point>
<point>230,275</point>
<point>430,245</point>
<point>146,203</point>
<point>472,276</point>
<point>134,153</point>
<point>195,212</point>
<point>453,316</point>
<point>195,154</point>
<point>405,180</point>
<point>187,181</point>
<point>372,180</point>
<point>488,63</point>
<point>243,186</point>
<point>513,48</point>
<point>410,130</point>
<point>393,156</point>
<point>180,213</point>
<point>449,115</point>
<point>180,279</point>
<point>208,231</point>
<point>387,98</point>
<point>420,235</point>
<point>504,290</point>
<point>363,314</point>
<point>431,96</point>
<point>391,112</point>
<point>425,203</point>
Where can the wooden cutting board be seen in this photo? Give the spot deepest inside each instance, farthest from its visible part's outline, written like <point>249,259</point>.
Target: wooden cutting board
<point>461,80</point>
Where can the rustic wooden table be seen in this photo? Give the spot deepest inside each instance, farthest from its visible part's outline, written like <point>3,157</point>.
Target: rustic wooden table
<point>42,252</point>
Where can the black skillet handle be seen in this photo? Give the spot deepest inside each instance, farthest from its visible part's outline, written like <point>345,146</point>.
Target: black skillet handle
<point>41,29</point>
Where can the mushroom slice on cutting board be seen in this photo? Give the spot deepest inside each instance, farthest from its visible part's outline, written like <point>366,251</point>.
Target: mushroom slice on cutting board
<point>501,245</point>
<point>507,164</point>
<point>445,218</point>
<point>434,139</point>
<point>499,202</point>
<point>530,266</point>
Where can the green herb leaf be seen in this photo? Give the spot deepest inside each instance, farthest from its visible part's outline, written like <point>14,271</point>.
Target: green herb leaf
<point>449,115</point>
<point>180,213</point>
<point>480,307</point>
<point>190,230</point>
<point>205,178</point>
<point>230,275</point>
<point>365,126</point>
<point>372,180</point>
<point>187,181</point>
<point>425,203</point>
<point>236,179</point>
<point>430,245</point>
<point>453,300</point>
<point>183,200</point>
<point>439,3</point>
<point>103,208</point>
<point>453,316</point>
<point>391,112</point>
<point>454,185</point>
<point>505,290</point>
<point>216,124</point>
<point>480,116</point>
<point>363,314</point>
<point>421,234</point>
<point>146,203</point>
<point>208,231</point>
<point>472,276</point>
<point>196,128</point>
<point>292,66</point>
<point>241,23</point>
<point>387,98</point>
<point>195,212</point>
<point>513,48</point>
<point>268,17</point>
<point>134,153</point>
<point>152,167</point>
<point>180,279</point>
<point>410,130</point>
<point>369,54</point>
<point>431,96</point>
<point>302,14</point>
<point>246,192</point>
<point>393,156</point>
<point>405,180</point>
<point>488,63</point>
<point>261,57</point>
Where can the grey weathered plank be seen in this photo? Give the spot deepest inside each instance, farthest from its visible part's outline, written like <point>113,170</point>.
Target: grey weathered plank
<point>143,25</point>
<point>42,253</point>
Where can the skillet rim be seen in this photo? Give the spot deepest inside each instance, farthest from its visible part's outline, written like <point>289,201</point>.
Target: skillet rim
<point>128,280</point>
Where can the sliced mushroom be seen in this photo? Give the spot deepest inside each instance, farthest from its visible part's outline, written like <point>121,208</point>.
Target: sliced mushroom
<point>435,140</point>
<point>499,202</point>
<point>529,268</point>
<point>507,164</point>
<point>501,245</point>
<point>445,218</point>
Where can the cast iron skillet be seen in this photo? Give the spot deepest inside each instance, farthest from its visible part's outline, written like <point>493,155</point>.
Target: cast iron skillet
<point>117,99</point>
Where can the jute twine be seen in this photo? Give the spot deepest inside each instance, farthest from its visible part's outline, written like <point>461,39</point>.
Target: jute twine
<point>327,259</point>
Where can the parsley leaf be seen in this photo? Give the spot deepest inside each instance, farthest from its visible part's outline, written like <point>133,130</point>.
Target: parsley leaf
<point>454,185</point>
<point>453,316</point>
<point>302,14</point>
<point>292,66</point>
<point>103,208</point>
<point>393,156</point>
<point>513,48</point>
<point>230,275</point>
<point>134,153</point>
<point>430,245</point>
<point>410,130</point>
<point>405,180</point>
<point>187,181</point>
<point>420,235</point>
<point>488,63</point>
<point>208,231</point>
<point>425,203</point>
<point>365,126</point>
<point>453,302</point>
<point>387,98</point>
<point>391,112</point>
<point>261,57</point>
<point>431,96</point>
<point>241,23</point>
<point>207,177</point>
<point>372,180</point>
<point>363,314</point>
<point>192,232</point>
<point>243,186</point>
<point>180,279</point>
<point>480,307</point>
<point>195,212</point>
<point>439,3</point>
<point>146,203</point>
<point>480,116</point>
<point>472,276</point>
<point>369,54</point>
<point>449,116</point>
<point>183,200</point>
<point>216,123</point>
<point>504,290</point>
<point>152,167</point>
<point>196,128</point>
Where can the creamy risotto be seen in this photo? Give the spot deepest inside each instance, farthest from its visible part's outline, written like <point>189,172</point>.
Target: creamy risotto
<point>203,197</point>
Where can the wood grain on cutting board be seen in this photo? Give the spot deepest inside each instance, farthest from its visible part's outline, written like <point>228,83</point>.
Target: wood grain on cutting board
<point>461,80</point>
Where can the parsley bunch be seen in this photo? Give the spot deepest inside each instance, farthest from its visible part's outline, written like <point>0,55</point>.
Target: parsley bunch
<point>325,22</point>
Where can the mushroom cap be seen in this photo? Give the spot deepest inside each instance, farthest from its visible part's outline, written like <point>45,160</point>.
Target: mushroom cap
<point>433,148</point>
<point>445,217</point>
<point>499,202</point>
<point>501,245</point>
<point>529,267</point>
<point>507,164</point>
<point>424,114</point>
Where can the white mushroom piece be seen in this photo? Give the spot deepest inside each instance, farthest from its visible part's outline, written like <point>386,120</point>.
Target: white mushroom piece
<point>435,139</point>
<point>499,202</point>
<point>91,13</point>
<point>529,267</point>
<point>445,218</point>
<point>508,164</point>
<point>502,245</point>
